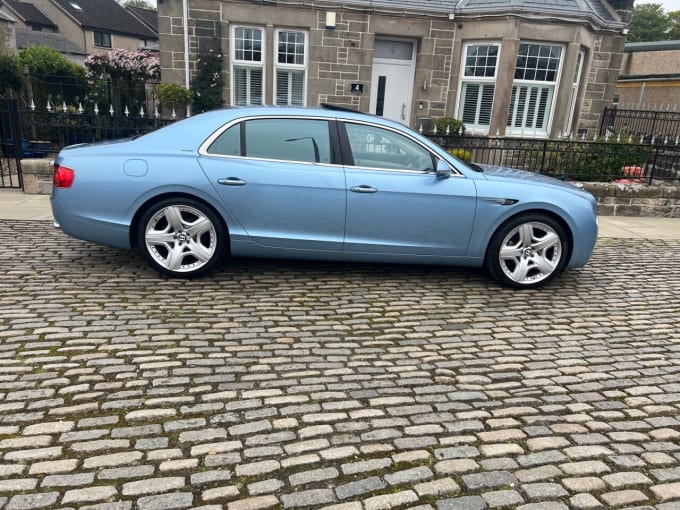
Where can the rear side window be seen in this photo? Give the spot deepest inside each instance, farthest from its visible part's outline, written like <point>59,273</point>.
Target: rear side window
<point>303,140</point>
<point>228,143</point>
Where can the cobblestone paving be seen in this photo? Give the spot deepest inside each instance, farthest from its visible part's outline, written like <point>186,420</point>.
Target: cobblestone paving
<point>349,387</point>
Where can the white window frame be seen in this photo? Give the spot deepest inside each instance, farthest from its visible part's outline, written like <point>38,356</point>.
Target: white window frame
<point>551,86</point>
<point>464,80</point>
<point>234,63</point>
<point>291,67</point>
<point>576,81</point>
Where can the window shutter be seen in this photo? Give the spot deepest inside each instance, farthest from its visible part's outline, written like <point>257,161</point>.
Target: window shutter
<point>477,104</point>
<point>290,87</point>
<point>247,85</point>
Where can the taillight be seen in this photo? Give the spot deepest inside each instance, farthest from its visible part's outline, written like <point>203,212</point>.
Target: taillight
<point>63,176</point>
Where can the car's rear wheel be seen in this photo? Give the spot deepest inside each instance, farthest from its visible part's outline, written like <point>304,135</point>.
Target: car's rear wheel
<point>181,237</point>
<point>528,251</point>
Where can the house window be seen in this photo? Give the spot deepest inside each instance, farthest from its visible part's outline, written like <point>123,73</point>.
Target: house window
<point>291,67</point>
<point>102,39</point>
<point>478,84</point>
<point>533,89</point>
<point>247,69</point>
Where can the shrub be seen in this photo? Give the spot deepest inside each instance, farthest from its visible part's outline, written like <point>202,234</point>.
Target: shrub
<point>53,76</point>
<point>455,126</point>
<point>208,83</point>
<point>461,154</point>
<point>10,73</point>
<point>172,95</point>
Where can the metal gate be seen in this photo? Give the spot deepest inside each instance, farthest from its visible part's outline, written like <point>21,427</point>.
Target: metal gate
<point>11,142</point>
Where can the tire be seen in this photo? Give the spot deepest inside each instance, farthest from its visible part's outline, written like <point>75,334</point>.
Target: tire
<point>528,251</point>
<point>181,237</point>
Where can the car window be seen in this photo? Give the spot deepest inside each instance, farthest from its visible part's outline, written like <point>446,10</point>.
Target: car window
<point>376,147</point>
<point>305,140</point>
<point>228,143</point>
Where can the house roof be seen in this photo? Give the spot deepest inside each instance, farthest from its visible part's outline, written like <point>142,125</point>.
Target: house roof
<point>633,47</point>
<point>147,16</point>
<point>53,40</point>
<point>595,10</point>
<point>7,17</point>
<point>29,13</point>
<point>105,15</point>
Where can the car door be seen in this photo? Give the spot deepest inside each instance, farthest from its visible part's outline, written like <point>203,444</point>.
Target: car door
<point>278,178</point>
<point>396,204</point>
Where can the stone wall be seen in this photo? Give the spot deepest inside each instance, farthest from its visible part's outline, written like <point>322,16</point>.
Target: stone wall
<point>613,199</point>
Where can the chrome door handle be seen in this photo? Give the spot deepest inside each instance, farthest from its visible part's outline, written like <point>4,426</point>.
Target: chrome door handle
<point>363,189</point>
<point>403,111</point>
<point>231,181</point>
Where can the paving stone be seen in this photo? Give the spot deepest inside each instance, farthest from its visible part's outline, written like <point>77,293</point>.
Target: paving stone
<point>89,494</point>
<point>265,486</point>
<point>31,501</point>
<point>313,497</point>
<point>538,474</point>
<point>416,474</point>
<point>439,487</point>
<point>390,500</point>
<point>68,480</point>
<point>359,487</point>
<point>463,503</point>
<point>256,503</point>
<point>623,498</point>
<point>504,498</point>
<point>584,484</point>
<point>152,486</point>
<point>544,490</point>
<point>175,500</point>
<point>666,491</point>
<point>584,501</point>
<point>488,480</point>
<point>224,492</point>
<point>312,476</point>
<point>626,479</point>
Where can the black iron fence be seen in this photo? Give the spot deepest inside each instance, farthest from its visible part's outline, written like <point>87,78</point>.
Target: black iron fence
<point>578,160</point>
<point>10,143</point>
<point>663,127</point>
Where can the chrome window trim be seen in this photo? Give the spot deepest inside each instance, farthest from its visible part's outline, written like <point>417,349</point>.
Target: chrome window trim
<point>203,149</point>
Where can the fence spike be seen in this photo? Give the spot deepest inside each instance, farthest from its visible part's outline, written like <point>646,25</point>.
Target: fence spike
<point>642,138</point>
<point>618,138</point>
<point>111,110</point>
<point>32,104</point>
<point>420,129</point>
<point>63,107</point>
<point>435,129</point>
<point>155,112</point>
<point>80,108</point>
<point>49,106</point>
<point>141,112</point>
<point>188,111</point>
<point>96,109</point>
<point>448,130</point>
<point>127,112</point>
<point>677,140</point>
<point>174,115</point>
<point>653,139</point>
<point>665,141</point>
<point>630,138</point>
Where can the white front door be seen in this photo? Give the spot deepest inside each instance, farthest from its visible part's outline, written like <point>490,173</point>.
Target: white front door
<point>392,80</point>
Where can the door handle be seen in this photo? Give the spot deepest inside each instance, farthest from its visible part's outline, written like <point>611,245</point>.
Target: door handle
<point>363,189</point>
<point>231,181</point>
<point>403,111</point>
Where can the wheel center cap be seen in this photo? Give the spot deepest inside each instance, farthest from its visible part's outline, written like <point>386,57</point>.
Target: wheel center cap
<point>182,237</point>
<point>528,252</point>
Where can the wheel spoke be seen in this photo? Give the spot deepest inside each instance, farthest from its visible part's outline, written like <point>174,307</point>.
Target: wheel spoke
<point>175,258</point>
<point>199,227</point>
<point>202,253</point>
<point>174,217</point>
<point>521,270</point>
<point>549,240</point>
<point>543,264</point>
<point>526,234</point>
<point>160,237</point>
<point>511,252</point>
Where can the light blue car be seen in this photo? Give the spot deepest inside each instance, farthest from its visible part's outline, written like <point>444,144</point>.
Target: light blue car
<point>316,183</point>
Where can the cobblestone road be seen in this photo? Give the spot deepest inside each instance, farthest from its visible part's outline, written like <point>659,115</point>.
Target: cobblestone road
<point>287,384</point>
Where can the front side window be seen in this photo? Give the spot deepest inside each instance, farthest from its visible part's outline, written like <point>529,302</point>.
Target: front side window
<point>102,39</point>
<point>376,147</point>
<point>291,67</point>
<point>478,85</point>
<point>536,73</point>
<point>247,65</point>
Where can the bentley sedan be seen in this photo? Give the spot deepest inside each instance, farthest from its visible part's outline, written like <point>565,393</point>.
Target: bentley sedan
<point>316,183</point>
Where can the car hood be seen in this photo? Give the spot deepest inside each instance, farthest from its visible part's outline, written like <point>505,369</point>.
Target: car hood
<point>501,173</point>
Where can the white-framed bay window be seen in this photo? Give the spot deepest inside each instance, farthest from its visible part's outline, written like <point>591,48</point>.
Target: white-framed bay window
<point>290,67</point>
<point>247,65</point>
<point>537,72</point>
<point>478,85</point>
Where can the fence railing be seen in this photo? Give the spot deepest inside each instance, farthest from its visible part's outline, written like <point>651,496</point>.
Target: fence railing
<point>663,126</point>
<point>576,160</point>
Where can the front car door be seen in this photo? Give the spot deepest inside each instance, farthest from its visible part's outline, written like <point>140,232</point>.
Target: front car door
<point>278,177</point>
<point>395,202</point>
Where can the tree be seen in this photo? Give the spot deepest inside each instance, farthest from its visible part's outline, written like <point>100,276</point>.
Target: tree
<point>10,73</point>
<point>674,32</point>
<point>649,23</point>
<point>143,4</point>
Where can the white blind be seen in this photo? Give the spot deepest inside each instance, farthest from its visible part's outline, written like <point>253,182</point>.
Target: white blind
<point>530,108</point>
<point>290,87</point>
<point>477,104</point>
<point>247,85</point>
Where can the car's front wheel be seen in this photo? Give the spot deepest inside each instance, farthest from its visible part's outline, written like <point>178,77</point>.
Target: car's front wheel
<point>181,237</point>
<point>528,251</point>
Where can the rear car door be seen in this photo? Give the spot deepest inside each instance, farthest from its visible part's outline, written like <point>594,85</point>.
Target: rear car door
<point>395,202</point>
<point>279,179</point>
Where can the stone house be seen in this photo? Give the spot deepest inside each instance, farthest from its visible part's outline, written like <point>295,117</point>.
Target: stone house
<point>650,76</point>
<point>7,32</point>
<point>506,67</point>
<point>93,26</point>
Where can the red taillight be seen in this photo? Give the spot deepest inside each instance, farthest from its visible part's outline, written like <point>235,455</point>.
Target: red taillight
<point>63,176</point>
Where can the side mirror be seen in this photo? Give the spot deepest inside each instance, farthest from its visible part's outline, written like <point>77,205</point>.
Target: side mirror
<point>443,170</point>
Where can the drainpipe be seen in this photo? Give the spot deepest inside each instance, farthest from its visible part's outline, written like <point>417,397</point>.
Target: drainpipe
<point>185,22</point>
